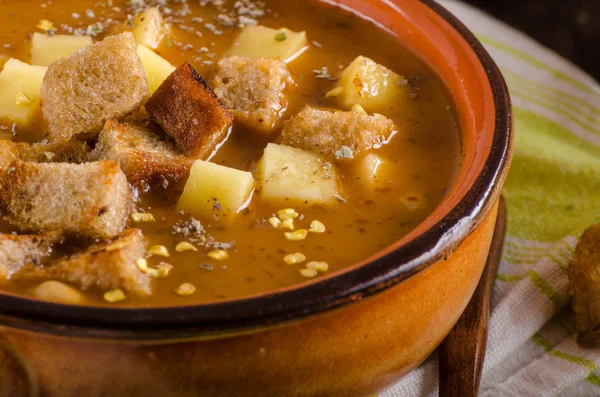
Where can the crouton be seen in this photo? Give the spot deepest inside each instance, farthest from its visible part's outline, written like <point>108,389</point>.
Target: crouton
<point>189,111</point>
<point>106,266</point>
<point>17,251</point>
<point>252,89</point>
<point>146,155</point>
<point>92,199</point>
<point>326,131</point>
<point>64,152</point>
<point>584,280</point>
<point>10,151</point>
<point>73,151</point>
<point>105,80</point>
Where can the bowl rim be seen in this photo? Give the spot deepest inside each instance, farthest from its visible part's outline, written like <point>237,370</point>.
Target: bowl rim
<point>269,309</point>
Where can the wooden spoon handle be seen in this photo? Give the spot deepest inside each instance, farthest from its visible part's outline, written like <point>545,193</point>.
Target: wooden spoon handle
<point>462,353</point>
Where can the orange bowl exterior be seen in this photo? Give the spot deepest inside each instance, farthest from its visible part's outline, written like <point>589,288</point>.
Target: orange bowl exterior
<point>353,351</point>
<point>353,344</point>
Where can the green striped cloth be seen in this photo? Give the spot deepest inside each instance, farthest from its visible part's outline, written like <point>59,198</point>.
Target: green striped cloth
<point>553,194</point>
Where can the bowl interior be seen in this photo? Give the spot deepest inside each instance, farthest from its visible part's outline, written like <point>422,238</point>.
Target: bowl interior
<point>483,109</point>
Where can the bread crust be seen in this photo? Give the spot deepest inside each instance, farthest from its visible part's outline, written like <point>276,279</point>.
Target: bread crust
<point>105,80</point>
<point>189,111</point>
<point>253,90</point>
<point>147,156</point>
<point>91,200</point>
<point>325,131</point>
<point>106,266</point>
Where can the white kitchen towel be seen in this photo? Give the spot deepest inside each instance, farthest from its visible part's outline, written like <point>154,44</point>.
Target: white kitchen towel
<point>553,194</point>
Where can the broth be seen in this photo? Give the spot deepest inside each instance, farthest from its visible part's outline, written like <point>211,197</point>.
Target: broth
<point>425,152</point>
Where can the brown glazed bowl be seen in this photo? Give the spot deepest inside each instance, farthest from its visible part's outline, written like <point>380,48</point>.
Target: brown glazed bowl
<point>352,333</point>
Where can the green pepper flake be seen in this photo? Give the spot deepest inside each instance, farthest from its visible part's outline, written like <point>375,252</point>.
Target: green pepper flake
<point>280,36</point>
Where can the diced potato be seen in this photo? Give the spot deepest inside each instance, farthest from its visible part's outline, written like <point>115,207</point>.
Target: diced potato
<point>213,189</point>
<point>47,49</point>
<point>288,174</point>
<point>373,172</point>
<point>370,85</point>
<point>157,68</point>
<point>20,85</point>
<point>149,28</point>
<point>3,60</point>
<point>263,42</point>
<point>58,292</point>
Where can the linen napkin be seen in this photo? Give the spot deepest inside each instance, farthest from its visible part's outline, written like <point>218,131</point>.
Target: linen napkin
<point>553,194</point>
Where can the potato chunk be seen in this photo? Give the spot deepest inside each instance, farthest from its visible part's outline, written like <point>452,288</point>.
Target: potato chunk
<point>157,68</point>
<point>214,189</point>
<point>288,174</point>
<point>47,49</point>
<point>262,42</point>
<point>56,291</point>
<point>370,85</point>
<point>373,172</point>
<point>149,28</point>
<point>20,87</point>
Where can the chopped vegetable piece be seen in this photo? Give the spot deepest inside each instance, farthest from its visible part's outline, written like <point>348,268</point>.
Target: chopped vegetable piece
<point>317,227</point>
<point>218,254</point>
<point>371,86</point>
<point>149,28</point>
<point>319,266</point>
<point>47,49</point>
<point>157,68</point>
<point>288,174</point>
<point>209,182</point>
<point>308,273</point>
<point>298,235</point>
<point>185,289</point>
<point>114,296</point>
<point>185,246</point>
<point>293,259</point>
<point>159,250</point>
<point>19,80</point>
<point>58,292</point>
<point>275,222</point>
<point>142,217</point>
<point>257,42</point>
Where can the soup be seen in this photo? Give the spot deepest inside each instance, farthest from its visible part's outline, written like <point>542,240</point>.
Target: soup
<point>328,143</point>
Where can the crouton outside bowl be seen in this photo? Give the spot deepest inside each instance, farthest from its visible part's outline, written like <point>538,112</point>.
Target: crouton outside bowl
<point>351,333</point>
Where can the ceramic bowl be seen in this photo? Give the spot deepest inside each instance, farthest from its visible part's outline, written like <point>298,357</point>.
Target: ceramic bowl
<point>352,333</point>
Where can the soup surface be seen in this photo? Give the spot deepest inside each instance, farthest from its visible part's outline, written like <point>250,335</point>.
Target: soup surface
<point>377,199</point>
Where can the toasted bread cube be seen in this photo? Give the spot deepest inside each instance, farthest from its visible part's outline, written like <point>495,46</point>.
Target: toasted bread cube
<point>68,152</point>
<point>17,251</point>
<point>262,42</point>
<point>103,81</point>
<point>105,266</point>
<point>10,151</point>
<point>157,68</point>
<point>372,86</point>
<point>295,176</point>
<point>55,291</point>
<point>74,151</point>
<point>189,111</point>
<point>253,90</point>
<point>47,49</point>
<point>146,155</point>
<point>214,189</point>
<point>20,87</point>
<point>149,28</point>
<point>584,273</point>
<point>327,131</point>
<point>92,199</point>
